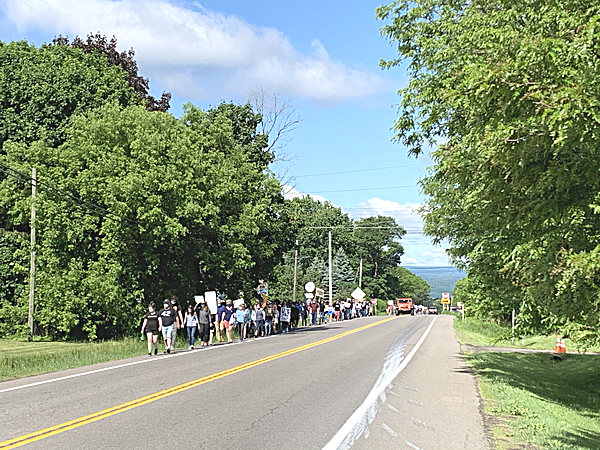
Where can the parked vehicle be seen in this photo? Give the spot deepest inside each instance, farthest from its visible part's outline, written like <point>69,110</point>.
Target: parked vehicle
<point>405,306</point>
<point>432,310</point>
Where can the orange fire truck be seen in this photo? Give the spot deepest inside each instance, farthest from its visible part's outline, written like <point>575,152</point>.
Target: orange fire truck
<point>405,306</point>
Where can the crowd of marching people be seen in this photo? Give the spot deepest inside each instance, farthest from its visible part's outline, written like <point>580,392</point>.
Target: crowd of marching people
<point>257,319</point>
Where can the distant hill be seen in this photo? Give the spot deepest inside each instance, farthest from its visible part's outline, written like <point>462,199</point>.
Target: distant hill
<point>441,279</point>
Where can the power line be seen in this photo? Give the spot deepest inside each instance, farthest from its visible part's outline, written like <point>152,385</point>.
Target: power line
<point>63,195</point>
<point>346,155</point>
<point>363,189</point>
<point>356,171</point>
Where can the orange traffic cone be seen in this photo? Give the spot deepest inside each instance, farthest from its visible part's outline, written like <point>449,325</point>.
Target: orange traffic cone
<point>557,347</point>
<point>563,347</point>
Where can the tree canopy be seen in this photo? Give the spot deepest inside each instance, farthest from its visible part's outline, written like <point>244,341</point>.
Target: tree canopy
<point>506,93</point>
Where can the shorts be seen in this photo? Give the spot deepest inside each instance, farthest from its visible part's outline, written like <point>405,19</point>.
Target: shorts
<point>226,325</point>
<point>154,332</point>
<point>167,331</point>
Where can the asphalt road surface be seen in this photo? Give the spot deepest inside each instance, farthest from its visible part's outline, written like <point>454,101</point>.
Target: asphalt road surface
<point>371,383</point>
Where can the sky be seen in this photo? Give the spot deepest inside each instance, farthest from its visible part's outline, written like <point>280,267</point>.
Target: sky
<point>321,56</point>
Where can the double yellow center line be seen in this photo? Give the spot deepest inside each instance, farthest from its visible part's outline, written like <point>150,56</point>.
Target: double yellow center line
<point>84,420</point>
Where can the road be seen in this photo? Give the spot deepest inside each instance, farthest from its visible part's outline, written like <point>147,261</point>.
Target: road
<point>364,384</point>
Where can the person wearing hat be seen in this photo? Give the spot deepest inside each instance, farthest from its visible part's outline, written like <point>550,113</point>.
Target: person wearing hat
<point>178,321</point>
<point>167,318</point>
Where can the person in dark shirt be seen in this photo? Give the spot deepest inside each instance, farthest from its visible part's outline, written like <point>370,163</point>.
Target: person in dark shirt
<point>219,326</point>
<point>167,318</point>
<point>150,327</point>
<point>226,317</point>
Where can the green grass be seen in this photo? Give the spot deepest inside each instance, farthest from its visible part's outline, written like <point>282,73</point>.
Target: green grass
<point>536,400</point>
<point>485,333</point>
<point>22,358</point>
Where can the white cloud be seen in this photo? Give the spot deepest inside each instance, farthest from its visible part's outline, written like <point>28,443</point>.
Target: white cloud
<point>192,52</point>
<point>290,193</point>
<point>419,251</point>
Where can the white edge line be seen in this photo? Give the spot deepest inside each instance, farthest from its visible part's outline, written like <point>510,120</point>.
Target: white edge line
<point>120,366</point>
<point>339,437</point>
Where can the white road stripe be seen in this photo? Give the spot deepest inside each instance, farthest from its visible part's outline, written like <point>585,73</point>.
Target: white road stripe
<point>151,359</point>
<point>358,415</point>
<point>134,363</point>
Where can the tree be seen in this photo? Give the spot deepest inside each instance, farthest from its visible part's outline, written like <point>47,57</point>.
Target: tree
<point>402,283</point>
<point>41,88</point>
<point>99,44</point>
<point>506,92</point>
<point>164,206</point>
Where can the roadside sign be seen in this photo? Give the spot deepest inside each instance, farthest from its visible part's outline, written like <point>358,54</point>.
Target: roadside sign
<point>320,292</point>
<point>237,303</point>
<point>445,295</point>
<point>358,294</point>
<point>308,295</point>
<point>309,287</point>
<point>445,301</point>
<point>374,301</point>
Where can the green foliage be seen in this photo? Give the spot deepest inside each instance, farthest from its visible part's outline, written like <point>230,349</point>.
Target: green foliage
<point>41,88</point>
<point>508,93</point>
<point>183,209</point>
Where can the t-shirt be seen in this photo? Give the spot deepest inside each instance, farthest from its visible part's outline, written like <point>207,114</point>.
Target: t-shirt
<point>191,320</point>
<point>260,314</point>
<point>168,316</point>
<point>269,312</point>
<point>152,321</point>
<point>313,307</point>
<point>220,310</point>
<point>286,312</point>
<point>204,317</point>
<point>228,313</point>
<point>336,306</point>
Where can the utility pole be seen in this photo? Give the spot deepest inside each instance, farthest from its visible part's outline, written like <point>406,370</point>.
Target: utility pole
<point>295,270</point>
<point>32,256</point>
<point>360,275</point>
<point>330,273</point>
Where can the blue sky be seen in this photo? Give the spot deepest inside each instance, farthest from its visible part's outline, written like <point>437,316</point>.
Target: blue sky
<point>323,56</point>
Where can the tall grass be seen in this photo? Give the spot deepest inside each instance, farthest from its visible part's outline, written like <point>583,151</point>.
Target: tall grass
<point>21,358</point>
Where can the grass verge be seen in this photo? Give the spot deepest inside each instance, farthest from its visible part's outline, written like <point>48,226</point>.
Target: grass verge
<point>537,400</point>
<point>22,358</point>
<point>484,333</point>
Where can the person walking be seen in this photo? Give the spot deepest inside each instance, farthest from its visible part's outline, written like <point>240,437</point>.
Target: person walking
<point>295,316</point>
<point>218,320</point>
<point>259,327</point>
<point>284,317</point>
<point>226,317</point>
<point>268,319</point>
<point>313,308</point>
<point>178,321</point>
<point>242,317</point>
<point>191,324</point>
<point>166,319</point>
<point>150,327</point>
<point>204,324</point>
